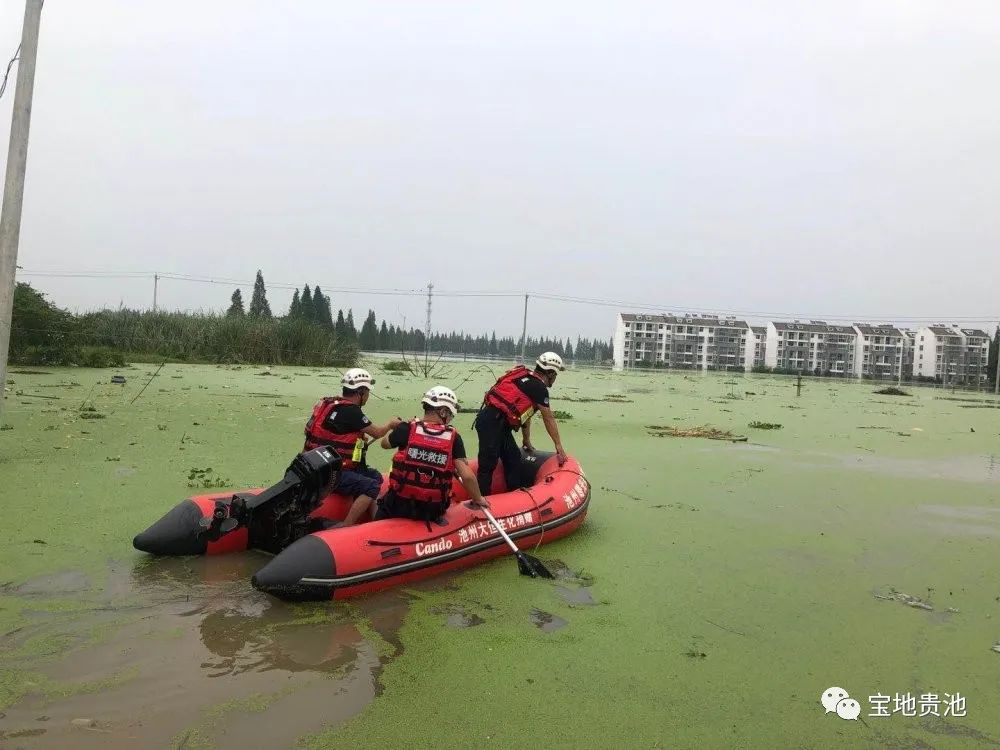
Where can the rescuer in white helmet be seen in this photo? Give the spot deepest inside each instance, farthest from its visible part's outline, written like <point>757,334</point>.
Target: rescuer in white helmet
<point>338,421</point>
<point>509,406</point>
<point>429,454</point>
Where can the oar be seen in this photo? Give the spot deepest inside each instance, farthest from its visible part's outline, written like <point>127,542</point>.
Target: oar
<point>526,564</point>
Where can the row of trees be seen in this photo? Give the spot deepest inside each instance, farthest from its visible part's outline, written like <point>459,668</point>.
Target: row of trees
<point>312,306</point>
<point>45,334</point>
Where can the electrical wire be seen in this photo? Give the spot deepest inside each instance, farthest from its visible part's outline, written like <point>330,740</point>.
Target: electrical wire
<point>624,305</point>
<point>6,75</point>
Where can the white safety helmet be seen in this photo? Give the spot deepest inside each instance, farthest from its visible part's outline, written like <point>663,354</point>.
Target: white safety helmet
<point>550,361</point>
<point>356,378</point>
<point>439,396</point>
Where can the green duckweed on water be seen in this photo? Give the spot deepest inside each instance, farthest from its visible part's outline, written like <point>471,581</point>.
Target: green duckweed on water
<point>715,591</point>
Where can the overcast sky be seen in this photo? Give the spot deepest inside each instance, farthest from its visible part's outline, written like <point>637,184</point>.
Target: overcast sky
<point>787,157</point>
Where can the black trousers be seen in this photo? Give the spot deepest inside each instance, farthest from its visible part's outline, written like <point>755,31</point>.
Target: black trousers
<point>496,442</point>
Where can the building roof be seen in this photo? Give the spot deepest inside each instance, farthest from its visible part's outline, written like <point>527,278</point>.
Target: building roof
<point>692,320</point>
<point>759,330</point>
<point>975,332</point>
<point>942,331</point>
<point>882,329</point>
<point>812,327</point>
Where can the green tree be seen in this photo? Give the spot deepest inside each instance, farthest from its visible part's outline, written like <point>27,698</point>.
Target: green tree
<point>321,308</point>
<point>235,305</point>
<point>259,308</point>
<point>306,309</point>
<point>384,340</point>
<point>340,327</point>
<point>368,338</point>
<point>37,322</point>
<point>352,332</point>
<point>295,309</point>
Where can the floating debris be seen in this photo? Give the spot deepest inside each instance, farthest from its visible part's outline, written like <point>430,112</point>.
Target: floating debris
<point>118,379</point>
<point>764,425</point>
<point>585,400</point>
<point>910,601</point>
<point>891,391</point>
<point>711,433</point>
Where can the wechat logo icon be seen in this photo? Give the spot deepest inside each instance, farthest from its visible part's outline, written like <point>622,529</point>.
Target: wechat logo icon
<point>836,700</point>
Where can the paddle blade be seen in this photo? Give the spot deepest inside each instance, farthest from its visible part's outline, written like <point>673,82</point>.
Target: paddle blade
<point>532,566</point>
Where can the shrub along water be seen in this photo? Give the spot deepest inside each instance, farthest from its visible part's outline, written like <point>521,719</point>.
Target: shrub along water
<point>44,334</point>
<point>217,338</point>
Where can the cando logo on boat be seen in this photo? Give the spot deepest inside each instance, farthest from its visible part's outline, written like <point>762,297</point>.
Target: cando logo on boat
<point>429,549</point>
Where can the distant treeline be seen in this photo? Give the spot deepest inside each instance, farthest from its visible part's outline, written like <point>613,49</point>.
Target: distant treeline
<point>311,304</point>
<point>44,334</point>
<point>309,334</point>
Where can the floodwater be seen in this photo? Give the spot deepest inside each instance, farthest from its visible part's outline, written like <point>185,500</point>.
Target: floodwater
<point>195,657</point>
<point>715,590</point>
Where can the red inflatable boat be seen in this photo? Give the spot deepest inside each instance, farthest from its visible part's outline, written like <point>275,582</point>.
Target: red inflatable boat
<point>343,562</point>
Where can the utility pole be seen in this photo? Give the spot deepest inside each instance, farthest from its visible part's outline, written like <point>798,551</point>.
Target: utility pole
<point>996,388</point>
<point>13,189</point>
<point>427,327</point>
<point>156,283</point>
<point>524,331</point>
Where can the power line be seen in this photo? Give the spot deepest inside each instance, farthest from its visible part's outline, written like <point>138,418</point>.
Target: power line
<point>6,75</point>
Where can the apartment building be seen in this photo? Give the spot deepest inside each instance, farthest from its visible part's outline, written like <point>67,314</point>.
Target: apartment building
<point>691,342</point>
<point>759,336</point>
<point>952,354</point>
<point>909,347</point>
<point>879,351</point>
<point>815,347</point>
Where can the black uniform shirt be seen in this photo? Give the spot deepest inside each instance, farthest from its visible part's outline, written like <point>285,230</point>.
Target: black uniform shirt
<point>534,389</point>
<point>346,418</point>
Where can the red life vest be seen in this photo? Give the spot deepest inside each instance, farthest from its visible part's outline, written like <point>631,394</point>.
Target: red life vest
<point>510,400</point>
<point>422,469</point>
<point>348,444</point>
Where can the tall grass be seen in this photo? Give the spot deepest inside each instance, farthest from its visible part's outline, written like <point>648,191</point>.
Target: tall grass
<point>215,338</point>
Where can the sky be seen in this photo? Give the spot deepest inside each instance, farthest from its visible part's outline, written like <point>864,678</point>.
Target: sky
<point>770,158</point>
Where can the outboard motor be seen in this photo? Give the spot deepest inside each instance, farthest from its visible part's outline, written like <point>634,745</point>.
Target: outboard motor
<point>273,519</point>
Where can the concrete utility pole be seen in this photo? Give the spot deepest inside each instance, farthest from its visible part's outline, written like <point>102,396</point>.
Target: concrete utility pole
<point>996,387</point>
<point>524,331</point>
<point>427,327</point>
<point>156,283</point>
<point>13,189</point>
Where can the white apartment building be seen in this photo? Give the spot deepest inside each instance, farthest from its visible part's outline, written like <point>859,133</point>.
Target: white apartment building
<point>759,336</point>
<point>952,354</point>
<point>909,347</point>
<point>879,351</point>
<point>681,342</point>
<point>816,347</point>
